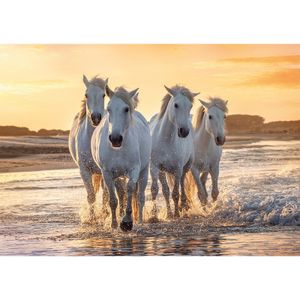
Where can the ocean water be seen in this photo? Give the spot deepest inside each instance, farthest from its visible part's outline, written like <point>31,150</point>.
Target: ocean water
<point>257,213</point>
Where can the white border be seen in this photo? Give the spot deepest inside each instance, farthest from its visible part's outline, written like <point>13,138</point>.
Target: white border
<point>155,21</point>
<point>137,21</point>
<point>152,278</point>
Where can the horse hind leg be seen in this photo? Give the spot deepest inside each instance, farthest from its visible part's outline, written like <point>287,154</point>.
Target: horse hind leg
<point>166,192</point>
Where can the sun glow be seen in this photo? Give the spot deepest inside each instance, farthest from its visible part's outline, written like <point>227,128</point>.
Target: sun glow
<point>41,85</point>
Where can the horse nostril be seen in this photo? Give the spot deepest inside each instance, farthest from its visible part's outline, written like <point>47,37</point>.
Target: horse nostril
<point>116,139</point>
<point>96,118</point>
<point>183,132</point>
<point>119,139</point>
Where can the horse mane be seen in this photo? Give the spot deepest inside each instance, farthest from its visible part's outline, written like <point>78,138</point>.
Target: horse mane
<point>96,81</point>
<point>213,101</point>
<point>123,94</point>
<point>198,117</point>
<point>166,99</point>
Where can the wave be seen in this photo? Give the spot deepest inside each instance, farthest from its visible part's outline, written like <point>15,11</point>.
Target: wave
<point>18,188</point>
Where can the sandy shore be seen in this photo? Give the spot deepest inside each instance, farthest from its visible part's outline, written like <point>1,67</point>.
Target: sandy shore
<point>31,153</point>
<point>34,154</point>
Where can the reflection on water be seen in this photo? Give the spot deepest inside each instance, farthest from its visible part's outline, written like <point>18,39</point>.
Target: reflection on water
<point>40,213</point>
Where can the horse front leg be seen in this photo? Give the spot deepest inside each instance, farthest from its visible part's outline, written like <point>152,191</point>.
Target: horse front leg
<point>203,178</point>
<point>86,176</point>
<point>105,199</point>
<point>184,204</point>
<point>214,173</point>
<point>201,192</point>
<point>166,192</point>
<point>154,187</point>
<point>113,202</point>
<point>120,184</point>
<point>127,222</point>
<point>175,193</point>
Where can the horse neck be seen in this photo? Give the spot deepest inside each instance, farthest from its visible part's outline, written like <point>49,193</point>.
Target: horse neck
<point>87,126</point>
<point>203,140</point>
<point>167,129</point>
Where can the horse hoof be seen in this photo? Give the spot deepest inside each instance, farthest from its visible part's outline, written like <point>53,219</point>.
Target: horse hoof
<point>184,207</point>
<point>126,225</point>
<point>169,215</point>
<point>153,219</point>
<point>114,225</point>
<point>176,215</point>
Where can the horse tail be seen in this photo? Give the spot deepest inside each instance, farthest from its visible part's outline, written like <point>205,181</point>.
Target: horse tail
<point>189,185</point>
<point>135,206</point>
<point>96,181</point>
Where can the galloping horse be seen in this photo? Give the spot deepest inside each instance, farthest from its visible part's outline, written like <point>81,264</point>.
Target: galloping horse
<point>121,146</point>
<point>84,124</point>
<point>209,136</point>
<point>172,145</point>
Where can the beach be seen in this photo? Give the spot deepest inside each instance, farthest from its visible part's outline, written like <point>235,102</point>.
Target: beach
<point>43,207</point>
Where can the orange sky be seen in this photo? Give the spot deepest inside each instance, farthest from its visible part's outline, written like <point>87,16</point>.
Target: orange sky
<point>41,85</point>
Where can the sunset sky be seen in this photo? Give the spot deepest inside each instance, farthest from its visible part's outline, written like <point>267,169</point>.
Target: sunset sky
<point>41,85</point>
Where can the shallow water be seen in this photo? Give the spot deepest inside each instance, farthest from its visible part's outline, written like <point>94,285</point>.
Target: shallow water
<point>258,212</point>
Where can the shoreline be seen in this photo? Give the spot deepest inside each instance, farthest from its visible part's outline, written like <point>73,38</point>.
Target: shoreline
<point>31,153</point>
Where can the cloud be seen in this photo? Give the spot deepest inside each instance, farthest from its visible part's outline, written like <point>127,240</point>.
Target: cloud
<point>30,87</point>
<point>287,59</point>
<point>287,78</point>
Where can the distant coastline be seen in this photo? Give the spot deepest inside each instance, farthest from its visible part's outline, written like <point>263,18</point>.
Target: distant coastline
<point>235,124</point>
<point>22,149</point>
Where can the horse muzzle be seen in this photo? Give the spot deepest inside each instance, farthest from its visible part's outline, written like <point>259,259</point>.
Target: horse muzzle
<point>116,140</point>
<point>183,132</point>
<point>96,118</point>
<point>220,141</point>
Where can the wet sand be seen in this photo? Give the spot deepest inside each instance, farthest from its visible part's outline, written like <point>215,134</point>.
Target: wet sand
<point>30,153</point>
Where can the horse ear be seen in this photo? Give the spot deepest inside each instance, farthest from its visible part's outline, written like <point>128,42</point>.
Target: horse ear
<point>86,81</point>
<point>106,82</point>
<point>205,104</point>
<point>170,91</point>
<point>226,102</point>
<point>195,94</point>
<point>109,92</point>
<point>133,93</point>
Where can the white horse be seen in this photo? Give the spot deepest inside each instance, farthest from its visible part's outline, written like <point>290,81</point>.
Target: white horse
<point>209,136</point>
<point>121,146</point>
<point>172,145</point>
<point>84,124</point>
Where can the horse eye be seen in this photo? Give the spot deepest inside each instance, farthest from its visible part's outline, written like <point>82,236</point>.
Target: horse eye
<point>225,117</point>
<point>210,117</point>
<point>126,109</point>
<point>86,95</point>
<point>176,105</point>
